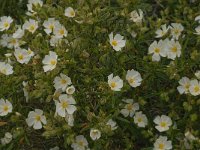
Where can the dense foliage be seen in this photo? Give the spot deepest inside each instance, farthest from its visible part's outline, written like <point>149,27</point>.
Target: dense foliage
<point>87,55</point>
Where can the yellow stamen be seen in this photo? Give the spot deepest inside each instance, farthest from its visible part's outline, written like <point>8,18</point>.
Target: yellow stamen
<point>62,32</point>
<point>187,86</point>
<point>72,13</point>
<point>129,107</point>
<point>81,143</point>
<point>6,24</point>
<point>64,104</point>
<point>113,85</point>
<point>196,89</point>
<point>32,28</point>
<point>51,27</point>
<point>63,81</point>
<point>161,146</point>
<point>139,119</point>
<point>131,80</point>
<point>5,108</point>
<point>21,57</point>
<point>114,43</point>
<point>38,118</point>
<point>53,62</point>
<point>176,31</point>
<point>163,124</point>
<point>157,50</point>
<point>174,49</point>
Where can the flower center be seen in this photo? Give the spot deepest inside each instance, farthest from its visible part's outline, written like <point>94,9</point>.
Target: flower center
<point>62,32</point>
<point>5,108</point>
<point>64,105</point>
<point>38,118</point>
<point>113,85</point>
<point>187,86</point>
<point>176,31</point>
<point>3,71</point>
<point>139,119</point>
<point>6,24</point>
<point>129,107</point>
<point>163,124</point>
<point>157,50</point>
<point>63,81</point>
<point>161,146</point>
<point>81,143</point>
<point>131,80</point>
<point>32,28</point>
<point>13,41</point>
<point>114,43</point>
<point>174,49</point>
<point>21,57</point>
<point>72,13</point>
<point>196,88</point>
<point>29,51</point>
<point>51,26</point>
<point>53,62</point>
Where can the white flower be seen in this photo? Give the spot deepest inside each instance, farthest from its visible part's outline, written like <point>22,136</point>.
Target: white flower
<point>60,31</point>
<point>115,83</point>
<point>197,18</point>
<point>69,12</point>
<point>173,49</point>
<point>65,104</point>
<point>184,85</point>
<point>4,40</point>
<point>36,119</point>
<point>112,124</point>
<point>6,68</point>
<point>35,3</point>
<point>8,55</point>
<point>19,33</point>
<point>189,136</point>
<point>137,16</point>
<point>62,82</point>
<point>117,42</point>
<point>30,52</point>
<point>157,49</point>
<point>194,87</point>
<point>55,148</point>
<point>70,90</point>
<point>140,119</point>
<point>54,41</point>
<point>5,107</point>
<point>50,61</point>
<point>130,108</point>
<point>134,78</point>
<point>163,123</point>
<point>162,31</point>
<point>25,84</point>
<point>22,56</point>
<point>197,29</point>
<point>5,23</point>
<point>197,74</point>
<point>7,138</point>
<point>50,25</point>
<point>95,134</point>
<point>8,41</point>
<point>69,118</point>
<point>80,143</point>
<point>176,29</point>
<point>30,25</point>
<point>162,143</point>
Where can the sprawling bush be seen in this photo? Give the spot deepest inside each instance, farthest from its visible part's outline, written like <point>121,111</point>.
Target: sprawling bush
<point>100,74</point>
